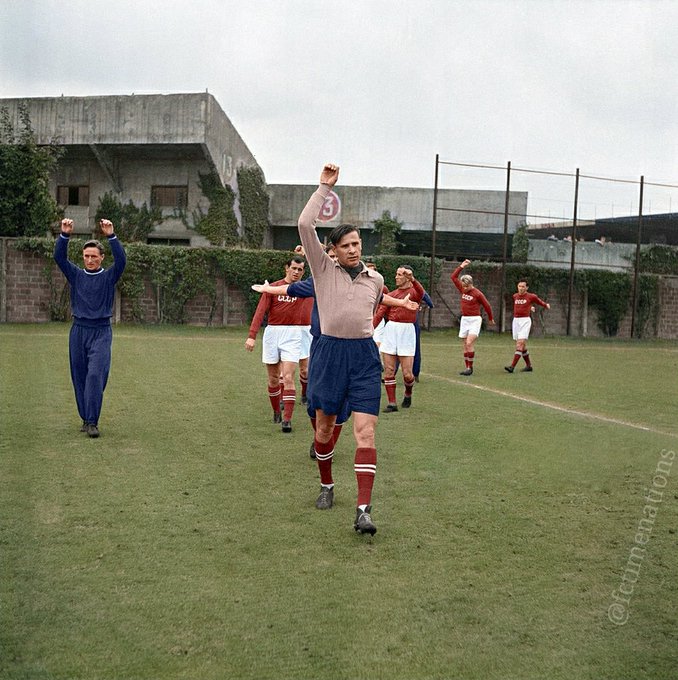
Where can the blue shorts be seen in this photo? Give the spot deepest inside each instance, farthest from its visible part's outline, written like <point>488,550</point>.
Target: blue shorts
<point>344,373</point>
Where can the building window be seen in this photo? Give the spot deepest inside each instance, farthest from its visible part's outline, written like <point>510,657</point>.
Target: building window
<point>72,195</point>
<point>169,197</point>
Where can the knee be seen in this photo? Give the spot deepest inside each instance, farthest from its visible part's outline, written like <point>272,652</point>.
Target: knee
<point>323,433</point>
<point>364,437</point>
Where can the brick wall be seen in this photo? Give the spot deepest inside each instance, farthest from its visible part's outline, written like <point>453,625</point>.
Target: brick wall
<point>25,296</point>
<point>667,327</point>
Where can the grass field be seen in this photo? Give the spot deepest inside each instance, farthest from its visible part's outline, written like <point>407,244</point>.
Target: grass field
<point>184,543</point>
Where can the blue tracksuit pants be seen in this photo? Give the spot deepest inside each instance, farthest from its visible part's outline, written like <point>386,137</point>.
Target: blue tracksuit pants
<point>90,359</point>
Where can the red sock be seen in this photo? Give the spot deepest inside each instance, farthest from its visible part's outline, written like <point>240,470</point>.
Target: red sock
<point>390,385</point>
<point>323,456</point>
<point>365,467</point>
<point>408,388</point>
<point>282,387</point>
<point>274,396</point>
<point>304,385</point>
<point>526,356</point>
<point>471,356</point>
<point>466,360</point>
<point>516,358</point>
<point>289,397</point>
<point>336,433</point>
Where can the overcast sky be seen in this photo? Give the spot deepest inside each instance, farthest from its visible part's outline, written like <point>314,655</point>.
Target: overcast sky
<point>382,86</point>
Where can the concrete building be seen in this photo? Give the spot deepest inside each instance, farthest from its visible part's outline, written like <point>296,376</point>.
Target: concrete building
<point>144,148</point>
<point>151,149</point>
<point>468,223</point>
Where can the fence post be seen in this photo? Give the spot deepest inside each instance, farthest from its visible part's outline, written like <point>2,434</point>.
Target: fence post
<point>637,263</point>
<point>570,284</point>
<point>502,288</point>
<point>432,283</point>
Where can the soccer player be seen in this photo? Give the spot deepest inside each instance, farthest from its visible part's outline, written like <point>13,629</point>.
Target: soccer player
<point>281,345</point>
<point>416,366</point>
<point>345,364</point>
<point>90,338</point>
<point>471,320</point>
<point>522,323</point>
<point>304,289</point>
<point>399,339</point>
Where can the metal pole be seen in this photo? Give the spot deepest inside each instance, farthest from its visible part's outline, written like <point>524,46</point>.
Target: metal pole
<point>570,285</point>
<point>637,264</point>
<point>432,283</point>
<point>503,258</point>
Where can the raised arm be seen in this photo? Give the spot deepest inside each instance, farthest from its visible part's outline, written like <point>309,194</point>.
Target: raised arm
<point>315,253</point>
<point>119,257</point>
<point>61,250</point>
<point>266,287</point>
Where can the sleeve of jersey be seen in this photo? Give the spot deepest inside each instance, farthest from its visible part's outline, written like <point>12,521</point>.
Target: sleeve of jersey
<point>258,317</point>
<point>301,289</point>
<point>381,310</point>
<point>419,291</point>
<point>119,257</point>
<point>486,305</point>
<point>539,301</point>
<point>315,253</point>
<point>61,258</point>
<point>455,278</point>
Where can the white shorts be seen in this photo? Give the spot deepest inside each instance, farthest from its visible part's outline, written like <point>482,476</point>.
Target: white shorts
<point>378,334</point>
<point>521,327</point>
<point>399,339</point>
<point>470,325</point>
<point>281,343</point>
<point>306,339</point>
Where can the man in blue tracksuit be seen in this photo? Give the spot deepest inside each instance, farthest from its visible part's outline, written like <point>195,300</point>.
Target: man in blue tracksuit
<point>92,293</point>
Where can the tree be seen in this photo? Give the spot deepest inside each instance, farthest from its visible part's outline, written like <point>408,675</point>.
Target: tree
<point>521,244</point>
<point>388,229</point>
<point>131,223</point>
<point>26,206</point>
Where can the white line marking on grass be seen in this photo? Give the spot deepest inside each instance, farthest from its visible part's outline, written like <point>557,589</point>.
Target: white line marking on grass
<point>555,407</point>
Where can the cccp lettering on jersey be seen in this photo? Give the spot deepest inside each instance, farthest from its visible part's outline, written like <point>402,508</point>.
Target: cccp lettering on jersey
<point>286,298</point>
<point>520,301</point>
<point>465,296</point>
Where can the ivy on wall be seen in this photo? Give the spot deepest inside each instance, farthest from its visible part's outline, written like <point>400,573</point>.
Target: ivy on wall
<point>388,228</point>
<point>647,310</point>
<point>659,260</point>
<point>180,274</point>
<point>521,244</point>
<point>219,224</point>
<point>131,223</point>
<point>254,203</point>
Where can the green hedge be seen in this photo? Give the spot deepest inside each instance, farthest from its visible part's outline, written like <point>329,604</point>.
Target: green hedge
<point>180,274</point>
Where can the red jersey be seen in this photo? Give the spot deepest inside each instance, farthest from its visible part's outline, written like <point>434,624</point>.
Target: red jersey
<point>401,314</point>
<point>522,303</point>
<point>471,300</point>
<point>282,310</point>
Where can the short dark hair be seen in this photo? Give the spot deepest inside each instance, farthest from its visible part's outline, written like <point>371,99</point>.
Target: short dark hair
<point>406,266</point>
<point>93,243</point>
<point>296,258</point>
<point>340,231</point>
